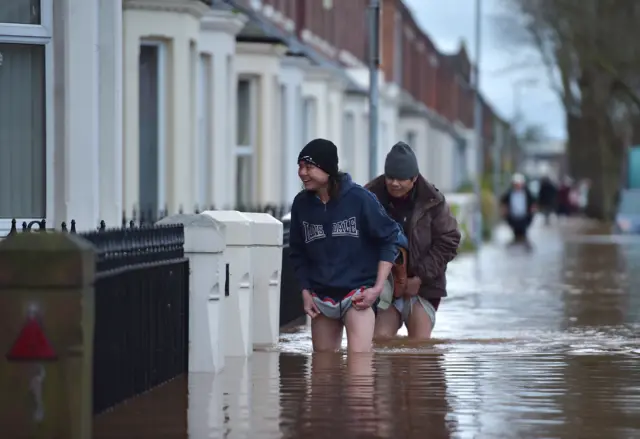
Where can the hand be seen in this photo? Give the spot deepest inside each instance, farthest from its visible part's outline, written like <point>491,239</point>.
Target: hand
<point>413,286</point>
<point>365,299</point>
<point>310,306</point>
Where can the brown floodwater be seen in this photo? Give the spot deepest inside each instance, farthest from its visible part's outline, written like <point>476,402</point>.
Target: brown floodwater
<point>539,343</point>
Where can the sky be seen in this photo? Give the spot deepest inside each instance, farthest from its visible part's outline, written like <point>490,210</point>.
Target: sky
<point>510,71</point>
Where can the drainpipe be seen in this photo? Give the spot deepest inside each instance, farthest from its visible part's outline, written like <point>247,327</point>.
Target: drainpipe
<point>374,62</point>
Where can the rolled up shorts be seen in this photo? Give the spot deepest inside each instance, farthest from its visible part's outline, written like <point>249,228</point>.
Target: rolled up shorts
<point>404,305</point>
<point>337,308</point>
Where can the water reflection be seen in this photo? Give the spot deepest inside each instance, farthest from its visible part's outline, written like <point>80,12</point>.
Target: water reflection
<point>376,396</point>
<point>594,290</point>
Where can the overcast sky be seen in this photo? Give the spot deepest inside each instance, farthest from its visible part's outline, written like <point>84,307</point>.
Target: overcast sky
<point>503,62</point>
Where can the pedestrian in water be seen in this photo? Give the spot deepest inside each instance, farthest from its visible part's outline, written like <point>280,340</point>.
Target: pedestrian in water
<point>433,237</point>
<point>547,196</point>
<point>343,245</point>
<point>518,207</point>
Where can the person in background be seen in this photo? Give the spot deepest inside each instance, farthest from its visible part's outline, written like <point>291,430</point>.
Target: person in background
<point>547,197</point>
<point>518,207</point>
<point>433,236</point>
<point>564,207</point>
<point>342,248</point>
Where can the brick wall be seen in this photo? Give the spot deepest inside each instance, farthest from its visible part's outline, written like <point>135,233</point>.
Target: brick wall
<point>440,81</point>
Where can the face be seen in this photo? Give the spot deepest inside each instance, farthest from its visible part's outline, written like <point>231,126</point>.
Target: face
<point>399,188</point>
<point>312,177</point>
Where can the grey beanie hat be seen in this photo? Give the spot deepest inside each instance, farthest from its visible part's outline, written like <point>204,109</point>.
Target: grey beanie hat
<point>401,162</point>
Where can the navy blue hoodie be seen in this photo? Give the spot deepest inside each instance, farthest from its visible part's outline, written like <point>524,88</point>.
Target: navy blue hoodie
<point>337,246</point>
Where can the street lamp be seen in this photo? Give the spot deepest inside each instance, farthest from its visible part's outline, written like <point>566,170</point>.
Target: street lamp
<point>478,132</point>
<point>517,86</point>
<point>517,89</point>
<point>507,140</point>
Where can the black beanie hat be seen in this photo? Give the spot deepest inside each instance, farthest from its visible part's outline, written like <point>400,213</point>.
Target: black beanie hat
<point>401,162</point>
<point>321,153</point>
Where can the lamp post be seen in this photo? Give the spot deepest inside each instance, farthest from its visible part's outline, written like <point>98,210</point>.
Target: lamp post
<point>374,62</point>
<point>517,95</point>
<point>477,122</point>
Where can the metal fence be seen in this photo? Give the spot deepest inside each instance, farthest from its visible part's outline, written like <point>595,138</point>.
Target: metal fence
<point>141,308</point>
<point>136,234</point>
<point>291,308</point>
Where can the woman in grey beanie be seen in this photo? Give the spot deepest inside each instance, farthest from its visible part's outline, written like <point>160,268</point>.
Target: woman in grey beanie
<point>433,235</point>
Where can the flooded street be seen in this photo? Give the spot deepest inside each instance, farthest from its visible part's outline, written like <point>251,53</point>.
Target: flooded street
<point>529,344</point>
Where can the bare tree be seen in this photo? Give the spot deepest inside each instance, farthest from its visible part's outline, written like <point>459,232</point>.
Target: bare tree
<point>591,49</point>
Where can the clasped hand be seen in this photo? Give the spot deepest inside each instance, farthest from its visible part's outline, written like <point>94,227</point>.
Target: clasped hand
<point>366,298</point>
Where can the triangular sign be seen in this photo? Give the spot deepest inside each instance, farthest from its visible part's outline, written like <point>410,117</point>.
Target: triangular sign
<point>31,344</point>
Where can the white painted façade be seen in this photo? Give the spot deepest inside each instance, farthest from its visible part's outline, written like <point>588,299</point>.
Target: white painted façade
<point>111,105</point>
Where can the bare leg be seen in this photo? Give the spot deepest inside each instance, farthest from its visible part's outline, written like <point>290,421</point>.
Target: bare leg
<point>363,413</point>
<point>419,325</point>
<point>360,325</point>
<point>388,322</point>
<point>326,334</point>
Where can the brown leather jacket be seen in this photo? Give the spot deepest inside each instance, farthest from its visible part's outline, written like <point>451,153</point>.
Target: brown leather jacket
<point>433,235</point>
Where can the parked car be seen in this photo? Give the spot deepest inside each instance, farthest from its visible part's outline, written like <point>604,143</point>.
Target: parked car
<point>628,214</point>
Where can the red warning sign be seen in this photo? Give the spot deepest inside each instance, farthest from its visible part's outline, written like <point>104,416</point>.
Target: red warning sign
<point>31,344</point>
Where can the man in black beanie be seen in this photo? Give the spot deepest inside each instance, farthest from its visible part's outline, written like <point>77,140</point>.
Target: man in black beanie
<point>433,236</point>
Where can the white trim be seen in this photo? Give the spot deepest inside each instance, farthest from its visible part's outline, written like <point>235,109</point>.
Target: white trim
<point>162,118</point>
<point>25,34</point>
<point>46,15</point>
<point>30,33</point>
<point>250,149</point>
<point>41,35</point>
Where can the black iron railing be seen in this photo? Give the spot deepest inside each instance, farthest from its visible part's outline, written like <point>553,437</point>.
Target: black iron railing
<point>141,335</point>
<point>142,311</point>
<point>138,241</point>
<point>291,309</point>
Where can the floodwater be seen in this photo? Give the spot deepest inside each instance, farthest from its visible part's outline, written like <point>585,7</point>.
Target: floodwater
<point>530,344</point>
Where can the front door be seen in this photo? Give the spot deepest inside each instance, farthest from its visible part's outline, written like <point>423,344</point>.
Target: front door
<point>149,129</point>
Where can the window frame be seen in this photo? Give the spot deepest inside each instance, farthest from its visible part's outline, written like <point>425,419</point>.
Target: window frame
<point>39,35</point>
<point>285,140</point>
<point>204,104</point>
<point>162,116</point>
<point>310,114</point>
<point>248,150</point>
<point>411,139</point>
<point>349,140</point>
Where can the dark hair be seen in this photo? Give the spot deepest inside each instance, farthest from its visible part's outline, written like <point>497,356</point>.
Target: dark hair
<point>334,184</point>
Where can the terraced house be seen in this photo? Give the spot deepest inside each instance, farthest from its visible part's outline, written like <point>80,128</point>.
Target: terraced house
<point>196,103</point>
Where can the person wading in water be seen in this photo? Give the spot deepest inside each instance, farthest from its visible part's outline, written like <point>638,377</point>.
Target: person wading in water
<point>433,236</point>
<point>342,247</point>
